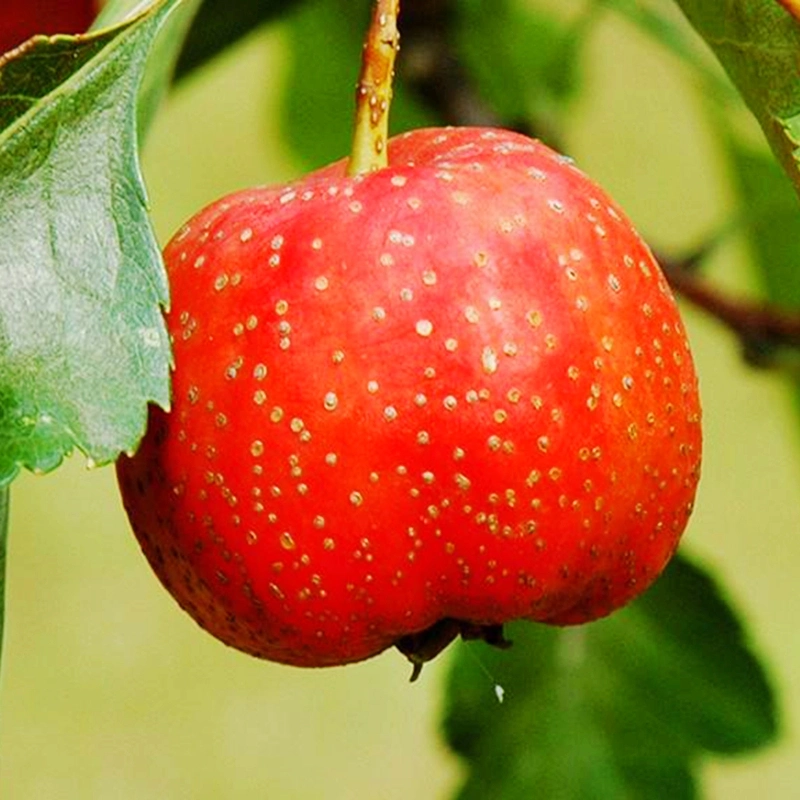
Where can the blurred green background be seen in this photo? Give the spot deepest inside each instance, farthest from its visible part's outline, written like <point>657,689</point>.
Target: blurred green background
<point>109,691</point>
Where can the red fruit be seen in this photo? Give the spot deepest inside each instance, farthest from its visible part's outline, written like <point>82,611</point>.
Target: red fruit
<point>21,19</point>
<point>453,389</point>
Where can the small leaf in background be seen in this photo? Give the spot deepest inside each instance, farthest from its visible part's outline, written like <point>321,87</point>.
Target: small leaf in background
<point>83,346</point>
<point>621,709</point>
<point>757,42</point>
<point>319,96</point>
<point>221,23</point>
<point>536,71</point>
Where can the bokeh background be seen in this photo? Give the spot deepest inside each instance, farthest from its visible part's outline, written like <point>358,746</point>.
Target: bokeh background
<point>108,691</point>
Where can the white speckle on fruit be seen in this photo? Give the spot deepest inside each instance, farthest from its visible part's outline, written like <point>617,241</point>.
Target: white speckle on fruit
<point>316,243</point>
<point>356,207</point>
<point>451,345</point>
<point>287,541</point>
<point>556,205</point>
<point>373,387</point>
<point>481,258</point>
<point>259,397</point>
<point>356,498</point>
<point>489,360</point>
<point>281,307</point>
<point>246,235</point>
<point>331,401</point>
<point>423,437</point>
<point>390,413</point>
<point>337,356</point>
<point>199,261</point>
<point>472,315</point>
<point>420,400</point>
<point>406,294</point>
<point>429,277</point>
<point>277,242</point>
<point>331,459</point>
<point>510,349</point>
<point>543,443</point>
<point>399,180</point>
<point>534,318</point>
<point>424,327</point>
<point>450,403</point>
<point>321,283</point>
<point>614,283</point>
<point>379,314</point>
<point>276,415</point>
<point>462,481</point>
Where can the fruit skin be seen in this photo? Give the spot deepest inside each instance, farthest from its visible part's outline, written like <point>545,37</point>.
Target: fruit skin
<point>21,19</point>
<point>454,388</point>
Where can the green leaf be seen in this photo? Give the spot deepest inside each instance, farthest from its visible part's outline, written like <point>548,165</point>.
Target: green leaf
<point>621,708</point>
<point>758,44</point>
<point>164,53</point>
<point>83,346</point>
<point>769,211</point>
<point>221,23</point>
<point>769,217</point>
<point>324,38</point>
<point>536,70</point>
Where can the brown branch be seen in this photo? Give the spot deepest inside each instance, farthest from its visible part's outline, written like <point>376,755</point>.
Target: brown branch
<point>762,328</point>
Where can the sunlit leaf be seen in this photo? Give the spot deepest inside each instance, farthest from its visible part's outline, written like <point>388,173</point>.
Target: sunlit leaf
<point>83,346</point>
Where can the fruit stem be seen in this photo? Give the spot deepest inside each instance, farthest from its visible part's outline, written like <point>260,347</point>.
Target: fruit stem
<point>374,90</point>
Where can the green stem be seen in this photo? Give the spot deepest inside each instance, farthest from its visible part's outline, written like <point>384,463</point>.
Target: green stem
<point>374,91</point>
